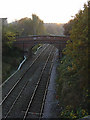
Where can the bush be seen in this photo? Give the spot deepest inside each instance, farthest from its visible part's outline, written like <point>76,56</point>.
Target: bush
<point>73,69</point>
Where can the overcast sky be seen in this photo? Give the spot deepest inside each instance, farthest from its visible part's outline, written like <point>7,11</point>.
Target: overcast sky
<point>50,11</point>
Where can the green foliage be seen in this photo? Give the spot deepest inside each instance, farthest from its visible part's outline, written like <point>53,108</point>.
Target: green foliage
<point>11,56</point>
<point>38,25</point>
<point>27,26</point>
<point>34,49</point>
<point>69,112</point>
<point>78,48</point>
<point>23,27</point>
<point>68,27</point>
<point>9,38</point>
<point>11,59</point>
<point>73,69</point>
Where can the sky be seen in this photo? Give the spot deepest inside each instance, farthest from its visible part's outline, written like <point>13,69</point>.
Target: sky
<point>50,11</point>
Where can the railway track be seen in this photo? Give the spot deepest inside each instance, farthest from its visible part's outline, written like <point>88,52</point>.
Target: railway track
<point>19,83</point>
<point>36,103</point>
<point>20,78</point>
<point>20,92</point>
<point>8,83</point>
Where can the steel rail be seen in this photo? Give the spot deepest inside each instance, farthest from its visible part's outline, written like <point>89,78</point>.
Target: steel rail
<point>33,95</point>
<point>9,77</point>
<point>13,73</point>
<point>12,106</point>
<point>20,78</point>
<point>16,99</point>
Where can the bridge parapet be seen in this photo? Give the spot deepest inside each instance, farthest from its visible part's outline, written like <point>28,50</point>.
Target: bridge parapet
<point>42,39</point>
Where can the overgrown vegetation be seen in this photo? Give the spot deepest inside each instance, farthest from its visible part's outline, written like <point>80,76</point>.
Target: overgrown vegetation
<point>28,26</point>
<point>34,49</point>
<point>68,27</point>
<point>73,69</point>
<point>11,56</point>
<point>11,62</point>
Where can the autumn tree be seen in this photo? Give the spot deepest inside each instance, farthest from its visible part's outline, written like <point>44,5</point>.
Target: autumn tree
<point>38,25</point>
<point>73,80</point>
<point>68,27</point>
<point>27,26</point>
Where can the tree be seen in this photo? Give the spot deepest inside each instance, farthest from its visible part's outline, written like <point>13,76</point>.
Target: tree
<point>73,79</point>
<point>27,26</point>
<point>68,27</point>
<point>38,25</point>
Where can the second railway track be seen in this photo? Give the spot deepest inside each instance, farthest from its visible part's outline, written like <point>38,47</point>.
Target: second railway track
<point>34,108</point>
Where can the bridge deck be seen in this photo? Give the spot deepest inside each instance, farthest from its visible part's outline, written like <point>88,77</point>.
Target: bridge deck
<point>42,39</point>
<point>27,42</point>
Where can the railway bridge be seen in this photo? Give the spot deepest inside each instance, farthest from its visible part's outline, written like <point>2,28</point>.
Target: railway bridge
<point>27,42</point>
